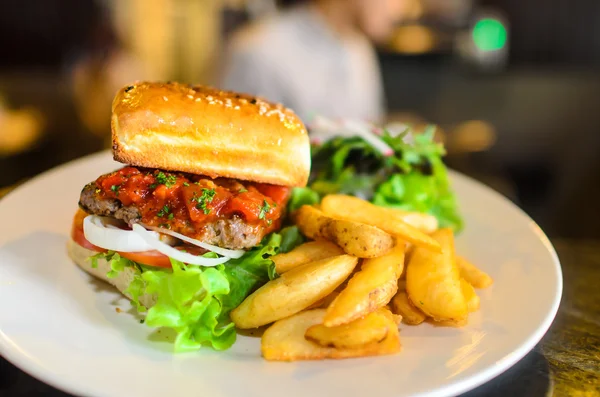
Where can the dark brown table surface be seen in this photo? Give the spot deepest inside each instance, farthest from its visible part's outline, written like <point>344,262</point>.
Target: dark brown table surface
<point>565,363</point>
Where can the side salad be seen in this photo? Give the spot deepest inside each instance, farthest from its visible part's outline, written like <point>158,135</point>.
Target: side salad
<point>412,176</point>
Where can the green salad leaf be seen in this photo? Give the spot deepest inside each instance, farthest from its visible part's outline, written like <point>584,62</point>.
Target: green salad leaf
<point>195,301</point>
<point>414,178</point>
<point>302,196</point>
<point>290,238</point>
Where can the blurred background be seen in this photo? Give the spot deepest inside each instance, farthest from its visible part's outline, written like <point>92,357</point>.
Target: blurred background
<point>513,84</point>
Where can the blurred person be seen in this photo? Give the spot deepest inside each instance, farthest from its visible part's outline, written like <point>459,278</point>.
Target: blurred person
<point>100,67</point>
<point>316,57</point>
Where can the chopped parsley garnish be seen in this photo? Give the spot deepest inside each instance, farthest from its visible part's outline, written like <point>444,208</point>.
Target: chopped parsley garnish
<point>164,225</point>
<point>168,181</point>
<point>264,210</point>
<point>207,197</point>
<point>115,189</point>
<point>163,211</point>
<point>242,190</point>
<point>171,215</point>
<point>186,184</point>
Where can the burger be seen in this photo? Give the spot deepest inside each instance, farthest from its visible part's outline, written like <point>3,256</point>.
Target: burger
<point>186,227</point>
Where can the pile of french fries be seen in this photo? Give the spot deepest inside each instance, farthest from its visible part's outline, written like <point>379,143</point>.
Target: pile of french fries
<point>367,268</point>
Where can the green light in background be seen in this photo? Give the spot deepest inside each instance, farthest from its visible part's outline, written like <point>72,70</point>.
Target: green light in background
<point>489,34</point>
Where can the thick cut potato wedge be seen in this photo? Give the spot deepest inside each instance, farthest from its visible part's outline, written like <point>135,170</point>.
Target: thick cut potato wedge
<point>403,306</point>
<point>342,206</point>
<point>305,253</point>
<point>293,291</point>
<point>325,302</point>
<point>358,239</point>
<point>470,295</point>
<point>372,287</point>
<point>433,281</point>
<point>371,328</point>
<point>285,341</point>
<point>474,276</point>
<point>312,222</point>
<point>358,210</point>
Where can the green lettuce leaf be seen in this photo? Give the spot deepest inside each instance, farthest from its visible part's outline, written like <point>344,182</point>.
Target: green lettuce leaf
<point>290,238</point>
<point>188,302</point>
<point>302,196</point>
<point>116,262</point>
<point>195,301</point>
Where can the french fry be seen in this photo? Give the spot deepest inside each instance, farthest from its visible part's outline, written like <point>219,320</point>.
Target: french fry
<point>285,341</point>
<point>403,306</point>
<point>470,295</point>
<point>358,210</point>
<point>325,302</point>
<point>360,240</point>
<point>396,318</point>
<point>371,328</point>
<point>305,253</point>
<point>472,274</point>
<point>312,222</point>
<point>424,222</point>
<point>357,239</point>
<point>340,206</point>
<point>293,291</point>
<point>370,288</point>
<point>433,281</point>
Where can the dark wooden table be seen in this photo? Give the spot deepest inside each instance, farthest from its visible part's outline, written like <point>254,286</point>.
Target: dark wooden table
<point>565,363</point>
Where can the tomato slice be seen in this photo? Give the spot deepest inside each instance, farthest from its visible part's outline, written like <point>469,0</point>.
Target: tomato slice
<point>149,258</point>
<point>155,258</point>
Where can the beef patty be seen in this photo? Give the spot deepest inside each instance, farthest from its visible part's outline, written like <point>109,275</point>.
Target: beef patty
<point>231,233</point>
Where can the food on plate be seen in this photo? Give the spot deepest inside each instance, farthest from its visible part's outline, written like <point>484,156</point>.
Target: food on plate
<point>305,253</point>
<point>433,281</point>
<point>473,275</point>
<point>470,295</point>
<point>293,291</point>
<point>285,340</point>
<point>355,238</point>
<point>369,289</point>
<point>402,306</point>
<point>344,207</point>
<point>325,302</point>
<point>357,210</point>
<point>209,226</point>
<point>371,328</point>
<point>395,170</point>
<point>186,228</point>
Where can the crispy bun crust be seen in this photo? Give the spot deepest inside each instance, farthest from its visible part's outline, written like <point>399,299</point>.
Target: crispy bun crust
<point>80,256</point>
<point>205,131</point>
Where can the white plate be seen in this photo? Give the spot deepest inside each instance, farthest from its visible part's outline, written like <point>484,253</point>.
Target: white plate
<point>62,327</point>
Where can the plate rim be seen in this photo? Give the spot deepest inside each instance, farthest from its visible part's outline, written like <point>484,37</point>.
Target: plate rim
<point>11,352</point>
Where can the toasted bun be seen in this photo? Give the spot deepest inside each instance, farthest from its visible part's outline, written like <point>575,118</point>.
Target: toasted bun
<point>80,256</point>
<point>205,131</point>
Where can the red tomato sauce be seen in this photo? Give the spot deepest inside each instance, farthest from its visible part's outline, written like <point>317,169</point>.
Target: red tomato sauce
<point>186,203</point>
